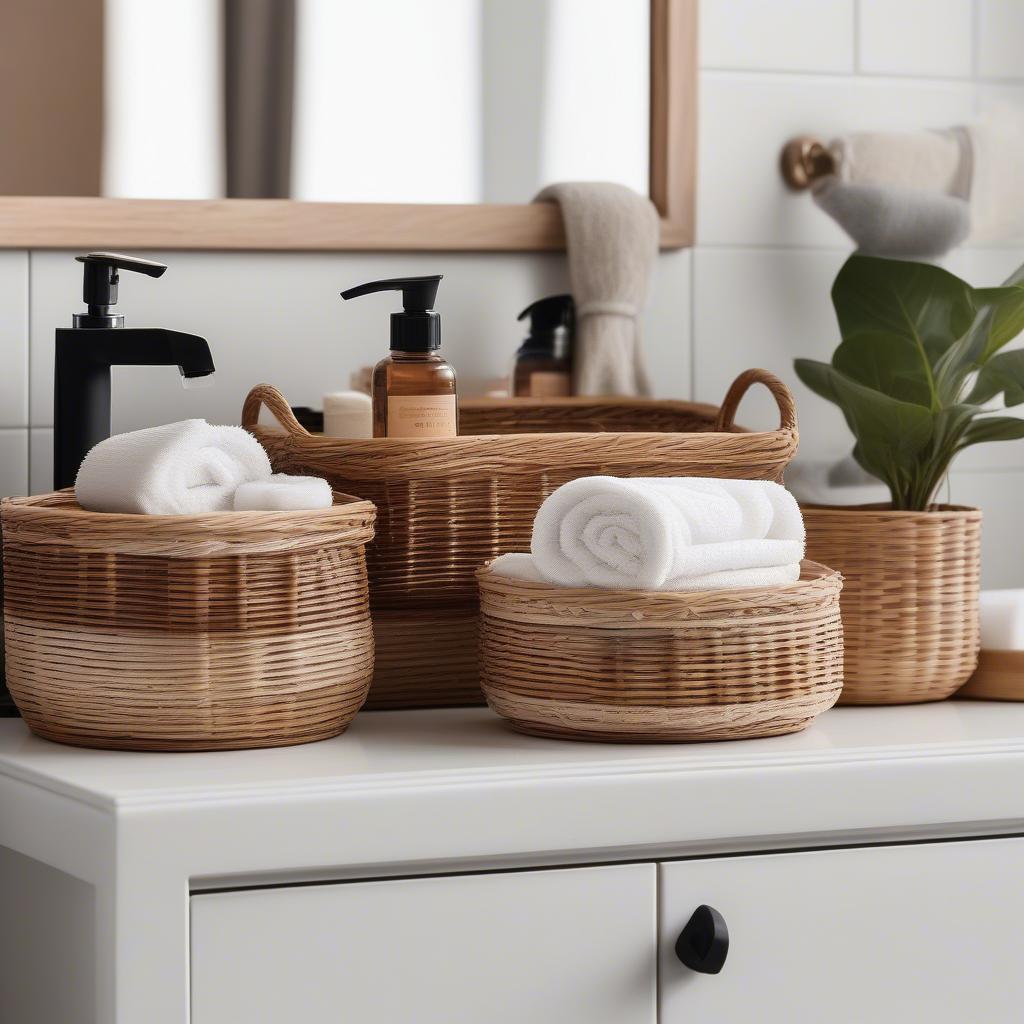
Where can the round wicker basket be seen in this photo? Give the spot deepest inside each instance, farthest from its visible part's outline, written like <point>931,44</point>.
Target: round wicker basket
<point>445,506</point>
<point>628,666</point>
<point>198,632</point>
<point>910,599</point>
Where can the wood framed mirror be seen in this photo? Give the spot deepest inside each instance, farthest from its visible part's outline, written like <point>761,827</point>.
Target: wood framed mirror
<point>88,220</point>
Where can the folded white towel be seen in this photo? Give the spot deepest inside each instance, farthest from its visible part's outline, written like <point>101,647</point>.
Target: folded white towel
<point>1001,613</point>
<point>524,567</point>
<point>283,493</point>
<point>658,534</point>
<point>181,468</point>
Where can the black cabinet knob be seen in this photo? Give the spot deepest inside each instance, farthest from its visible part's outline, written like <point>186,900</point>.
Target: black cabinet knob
<point>704,942</point>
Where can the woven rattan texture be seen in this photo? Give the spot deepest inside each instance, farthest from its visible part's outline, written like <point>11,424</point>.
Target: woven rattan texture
<point>186,632</point>
<point>910,598</point>
<point>632,666</point>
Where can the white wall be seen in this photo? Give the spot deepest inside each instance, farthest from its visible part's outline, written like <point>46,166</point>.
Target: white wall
<point>759,275</point>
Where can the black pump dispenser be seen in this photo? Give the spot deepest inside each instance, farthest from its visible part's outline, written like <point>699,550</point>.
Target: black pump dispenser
<point>418,327</point>
<point>551,325</point>
<point>99,285</point>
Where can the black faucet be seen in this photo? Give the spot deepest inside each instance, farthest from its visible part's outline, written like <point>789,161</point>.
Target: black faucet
<point>98,340</point>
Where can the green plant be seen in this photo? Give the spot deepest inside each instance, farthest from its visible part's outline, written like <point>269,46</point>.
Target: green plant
<point>919,364</point>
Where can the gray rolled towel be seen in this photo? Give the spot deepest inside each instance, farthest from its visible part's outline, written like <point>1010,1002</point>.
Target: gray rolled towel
<point>612,238</point>
<point>895,220</point>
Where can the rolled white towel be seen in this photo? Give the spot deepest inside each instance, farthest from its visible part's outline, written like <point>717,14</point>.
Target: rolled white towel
<point>283,493</point>
<point>656,534</point>
<point>182,468</point>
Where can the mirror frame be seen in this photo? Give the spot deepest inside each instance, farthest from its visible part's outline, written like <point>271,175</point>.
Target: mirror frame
<point>75,222</point>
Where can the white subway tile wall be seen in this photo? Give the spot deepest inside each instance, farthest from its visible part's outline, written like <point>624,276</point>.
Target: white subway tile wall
<point>915,37</point>
<point>754,291</point>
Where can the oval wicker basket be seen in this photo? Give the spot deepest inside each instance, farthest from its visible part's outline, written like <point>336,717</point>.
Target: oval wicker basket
<point>197,632</point>
<point>910,599</point>
<point>445,506</point>
<point>628,666</point>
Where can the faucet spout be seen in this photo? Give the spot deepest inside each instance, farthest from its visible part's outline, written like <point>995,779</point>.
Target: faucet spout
<point>83,358</point>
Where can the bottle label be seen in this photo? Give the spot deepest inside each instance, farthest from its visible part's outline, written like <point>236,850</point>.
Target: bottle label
<point>422,416</point>
<point>550,384</point>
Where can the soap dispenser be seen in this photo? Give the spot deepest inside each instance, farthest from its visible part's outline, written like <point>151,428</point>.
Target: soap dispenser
<point>543,364</point>
<point>414,392</point>
<point>98,340</point>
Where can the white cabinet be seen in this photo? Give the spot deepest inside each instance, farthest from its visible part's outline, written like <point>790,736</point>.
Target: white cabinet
<point>571,946</point>
<point>926,932</point>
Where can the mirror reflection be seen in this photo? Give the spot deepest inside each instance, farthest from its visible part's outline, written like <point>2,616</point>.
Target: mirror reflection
<point>456,101</point>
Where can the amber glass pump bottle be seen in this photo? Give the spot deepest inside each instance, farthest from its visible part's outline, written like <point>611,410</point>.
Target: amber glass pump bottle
<point>414,392</point>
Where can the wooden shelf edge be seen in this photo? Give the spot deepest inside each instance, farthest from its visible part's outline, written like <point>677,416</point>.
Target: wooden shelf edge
<point>43,222</point>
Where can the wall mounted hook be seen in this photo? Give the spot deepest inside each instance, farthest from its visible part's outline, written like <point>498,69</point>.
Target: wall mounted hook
<point>804,160</point>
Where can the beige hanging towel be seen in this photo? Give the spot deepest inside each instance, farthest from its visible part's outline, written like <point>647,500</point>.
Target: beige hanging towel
<point>612,239</point>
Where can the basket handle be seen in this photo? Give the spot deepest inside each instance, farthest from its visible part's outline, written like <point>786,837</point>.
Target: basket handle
<point>268,395</point>
<point>782,395</point>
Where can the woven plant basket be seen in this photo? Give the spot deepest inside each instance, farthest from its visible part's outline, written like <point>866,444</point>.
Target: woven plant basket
<point>197,632</point>
<point>910,599</point>
<point>445,506</point>
<point>630,666</point>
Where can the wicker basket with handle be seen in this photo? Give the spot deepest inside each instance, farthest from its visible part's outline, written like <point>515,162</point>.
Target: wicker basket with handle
<point>630,666</point>
<point>193,632</point>
<point>445,506</point>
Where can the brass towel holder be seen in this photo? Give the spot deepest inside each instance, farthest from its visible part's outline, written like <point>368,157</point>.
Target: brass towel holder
<point>804,160</point>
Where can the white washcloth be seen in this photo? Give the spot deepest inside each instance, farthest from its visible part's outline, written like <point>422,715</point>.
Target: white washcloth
<point>523,567</point>
<point>283,493</point>
<point>660,533</point>
<point>181,468</point>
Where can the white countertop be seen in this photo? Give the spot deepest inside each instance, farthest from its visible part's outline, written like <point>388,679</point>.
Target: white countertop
<point>419,790</point>
<point>440,748</point>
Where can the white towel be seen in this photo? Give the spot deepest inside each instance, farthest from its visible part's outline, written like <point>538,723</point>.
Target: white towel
<point>523,567</point>
<point>668,534</point>
<point>181,468</point>
<point>283,493</point>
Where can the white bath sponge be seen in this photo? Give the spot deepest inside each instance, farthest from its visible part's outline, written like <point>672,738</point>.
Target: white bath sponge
<point>283,493</point>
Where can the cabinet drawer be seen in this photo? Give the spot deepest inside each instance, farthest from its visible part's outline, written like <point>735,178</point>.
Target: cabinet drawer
<point>929,933</point>
<point>544,947</point>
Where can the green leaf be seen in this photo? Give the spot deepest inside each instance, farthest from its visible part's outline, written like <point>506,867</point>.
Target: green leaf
<point>1002,374</point>
<point>1008,303</point>
<point>890,433</point>
<point>818,377</point>
<point>888,363</point>
<point>993,428</point>
<point>922,303</point>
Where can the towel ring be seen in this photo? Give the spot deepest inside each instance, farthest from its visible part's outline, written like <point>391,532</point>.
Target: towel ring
<point>805,160</point>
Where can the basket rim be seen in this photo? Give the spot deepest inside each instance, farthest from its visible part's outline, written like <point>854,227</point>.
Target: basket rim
<point>552,594</point>
<point>885,511</point>
<point>600,438</point>
<point>59,508</point>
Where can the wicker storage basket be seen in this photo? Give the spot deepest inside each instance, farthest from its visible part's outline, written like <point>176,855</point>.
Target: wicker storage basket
<point>629,666</point>
<point>230,630</point>
<point>910,599</point>
<point>445,506</point>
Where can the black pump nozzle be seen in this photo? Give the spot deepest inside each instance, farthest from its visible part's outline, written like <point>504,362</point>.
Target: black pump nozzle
<point>418,328</point>
<point>551,325</point>
<point>99,285</point>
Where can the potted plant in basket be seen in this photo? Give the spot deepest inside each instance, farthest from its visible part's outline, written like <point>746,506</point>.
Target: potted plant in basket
<point>921,361</point>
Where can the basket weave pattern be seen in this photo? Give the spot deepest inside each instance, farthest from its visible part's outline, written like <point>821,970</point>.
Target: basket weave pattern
<point>186,632</point>
<point>633,666</point>
<point>445,506</point>
<point>910,598</point>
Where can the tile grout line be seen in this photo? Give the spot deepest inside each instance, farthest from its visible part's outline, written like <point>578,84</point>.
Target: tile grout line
<point>855,11</point>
